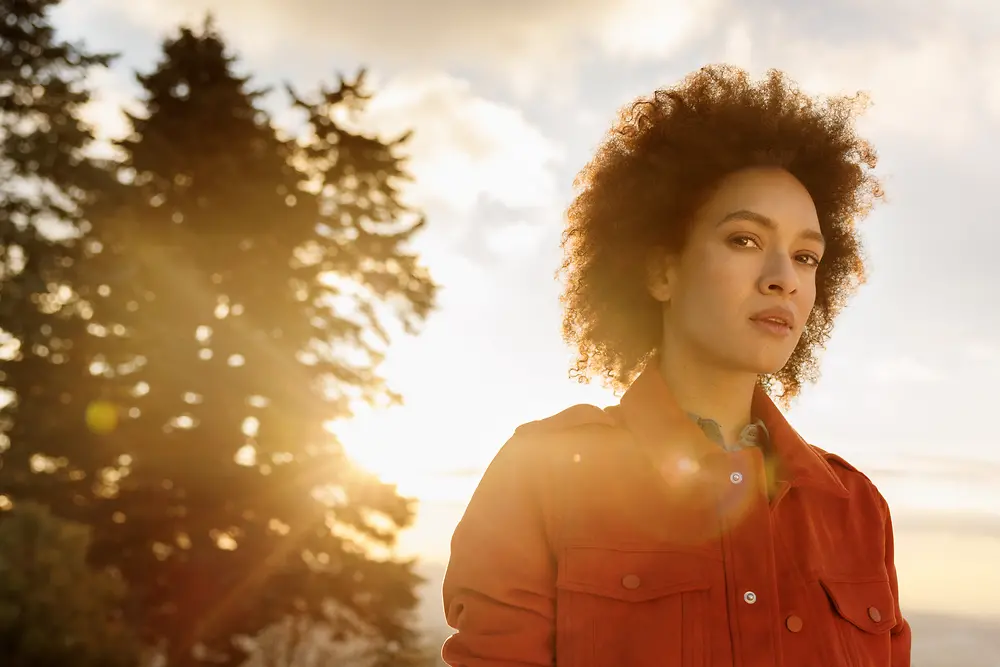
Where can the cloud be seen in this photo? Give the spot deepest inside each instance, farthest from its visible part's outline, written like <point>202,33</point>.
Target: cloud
<point>982,352</point>
<point>931,68</point>
<point>653,29</point>
<point>519,238</point>
<point>482,171</point>
<point>929,89</point>
<point>465,148</point>
<point>531,35</point>
<point>902,370</point>
<point>931,65</point>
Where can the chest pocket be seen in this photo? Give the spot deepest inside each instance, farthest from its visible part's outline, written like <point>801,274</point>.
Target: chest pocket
<point>641,608</point>
<point>864,613</point>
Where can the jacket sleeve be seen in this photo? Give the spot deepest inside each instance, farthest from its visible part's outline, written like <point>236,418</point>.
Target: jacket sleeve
<point>499,589</point>
<point>900,634</point>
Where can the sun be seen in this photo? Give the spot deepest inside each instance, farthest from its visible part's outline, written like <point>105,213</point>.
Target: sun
<point>386,443</point>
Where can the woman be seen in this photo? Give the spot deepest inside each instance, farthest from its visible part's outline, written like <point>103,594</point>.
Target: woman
<point>709,248</point>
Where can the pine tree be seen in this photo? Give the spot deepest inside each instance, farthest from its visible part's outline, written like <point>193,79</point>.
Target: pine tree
<point>237,291</point>
<point>44,176</point>
<point>46,183</point>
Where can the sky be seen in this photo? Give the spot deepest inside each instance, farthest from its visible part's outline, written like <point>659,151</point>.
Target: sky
<point>509,99</point>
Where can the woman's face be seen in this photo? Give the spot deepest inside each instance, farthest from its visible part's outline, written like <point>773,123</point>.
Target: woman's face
<point>737,297</point>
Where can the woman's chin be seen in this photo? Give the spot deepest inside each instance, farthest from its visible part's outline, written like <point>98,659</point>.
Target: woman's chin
<point>767,363</point>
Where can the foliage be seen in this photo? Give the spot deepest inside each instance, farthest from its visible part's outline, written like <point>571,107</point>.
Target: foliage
<point>55,609</point>
<point>227,293</point>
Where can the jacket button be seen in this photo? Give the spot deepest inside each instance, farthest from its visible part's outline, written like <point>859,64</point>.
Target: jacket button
<point>874,614</point>
<point>793,623</point>
<point>630,581</point>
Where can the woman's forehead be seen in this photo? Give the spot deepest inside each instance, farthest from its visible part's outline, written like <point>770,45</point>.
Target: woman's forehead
<point>770,194</point>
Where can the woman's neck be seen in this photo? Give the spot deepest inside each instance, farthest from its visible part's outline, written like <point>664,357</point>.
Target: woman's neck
<point>710,393</point>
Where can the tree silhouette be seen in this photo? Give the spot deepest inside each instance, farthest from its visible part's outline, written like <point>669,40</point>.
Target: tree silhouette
<point>46,181</point>
<point>233,296</point>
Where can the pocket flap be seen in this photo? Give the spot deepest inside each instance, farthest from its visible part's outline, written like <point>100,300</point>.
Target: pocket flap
<point>632,575</point>
<point>866,604</point>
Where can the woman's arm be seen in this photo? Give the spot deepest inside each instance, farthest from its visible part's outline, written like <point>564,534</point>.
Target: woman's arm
<point>499,590</point>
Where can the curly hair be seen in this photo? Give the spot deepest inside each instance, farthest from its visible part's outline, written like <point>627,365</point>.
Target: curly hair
<point>656,167</point>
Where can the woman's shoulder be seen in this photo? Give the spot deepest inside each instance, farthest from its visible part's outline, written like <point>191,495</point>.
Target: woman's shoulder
<point>575,429</point>
<point>538,460</point>
<point>857,483</point>
<point>574,418</point>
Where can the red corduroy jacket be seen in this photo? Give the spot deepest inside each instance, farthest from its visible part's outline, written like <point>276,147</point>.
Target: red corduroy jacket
<point>625,537</point>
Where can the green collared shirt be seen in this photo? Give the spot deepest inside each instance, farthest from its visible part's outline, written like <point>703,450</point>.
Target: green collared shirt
<point>752,435</point>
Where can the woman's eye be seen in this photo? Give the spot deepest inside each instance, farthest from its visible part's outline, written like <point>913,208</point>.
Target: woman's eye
<point>744,242</point>
<point>809,260</point>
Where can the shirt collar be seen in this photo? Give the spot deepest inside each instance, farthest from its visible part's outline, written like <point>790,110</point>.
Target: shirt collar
<point>753,434</point>
<point>653,415</point>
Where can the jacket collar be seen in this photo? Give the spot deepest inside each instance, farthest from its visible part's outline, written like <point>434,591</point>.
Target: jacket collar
<point>650,411</point>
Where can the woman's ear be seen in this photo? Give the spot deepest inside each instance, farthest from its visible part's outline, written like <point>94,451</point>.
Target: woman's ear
<point>658,274</point>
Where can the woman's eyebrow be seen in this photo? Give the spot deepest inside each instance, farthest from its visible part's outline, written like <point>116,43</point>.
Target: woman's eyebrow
<point>761,219</point>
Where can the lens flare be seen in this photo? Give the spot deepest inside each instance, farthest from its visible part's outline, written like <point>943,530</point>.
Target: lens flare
<point>101,417</point>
